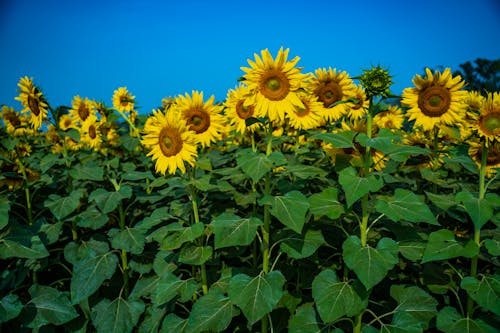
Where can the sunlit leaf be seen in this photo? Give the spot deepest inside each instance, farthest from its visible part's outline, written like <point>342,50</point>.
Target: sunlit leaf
<point>254,165</point>
<point>405,206</point>
<point>443,245</point>
<point>291,210</point>
<point>304,320</point>
<point>256,296</point>
<point>129,239</point>
<point>450,321</point>
<point>486,292</point>
<point>301,246</point>
<point>117,316</point>
<point>326,203</point>
<point>335,299</point>
<point>232,230</point>
<point>355,186</point>
<point>370,264</point>
<point>10,307</point>
<point>51,306</point>
<point>211,313</point>
<point>344,139</point>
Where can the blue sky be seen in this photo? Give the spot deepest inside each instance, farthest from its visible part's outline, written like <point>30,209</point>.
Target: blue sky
<point>166,48</point>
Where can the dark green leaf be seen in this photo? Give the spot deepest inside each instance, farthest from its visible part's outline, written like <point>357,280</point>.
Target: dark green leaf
<point>370,264</point>
<point>10,307</point>
<point>4,212</point>
<point>144,287</point>
<point>405,206</point>
<point>21,243</point>
<point>91,218</point>
<point>450,321</point>
<point>256,296</point>
<point>164,263</point>
<point>486,292</point>
<point>291,210</point>
<point>175,239</point>
<point>479,210</point>
<point>52,306</point>
<point>118,316</point>
<point>51,231</point>
<point>254,165</point>
<point>75,253</point>
<point>108,201</point>
<point>151,321</point>
<point>129,239</point>
<point>195,255</point>
<point>344,139</point>
<point>355,186</point>
<point>82,172</point>
<point>304,320</point>
<point>302,246</point>
<point>63,206</point>
<point>412,250</point>
<point>443,201</point>
<point>443,245</point>
<point>137,175</point>
<point>416,302</point>
<point>335,299</point>
<point>493,246</point>
<point>166,289</point>
<point>326,203</point>
<point>232,230</point>
<point>173,324</point>
<point>212,312</point>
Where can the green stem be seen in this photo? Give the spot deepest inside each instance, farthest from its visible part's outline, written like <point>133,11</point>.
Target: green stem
<point>363,228</point>
<point>477,231</point>
<point>27,193</point>
<point>357,323</point>
<point>265,228</point>
<point>124,258</point>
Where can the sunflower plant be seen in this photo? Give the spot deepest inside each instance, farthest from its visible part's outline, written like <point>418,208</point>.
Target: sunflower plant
<point>303,202</point>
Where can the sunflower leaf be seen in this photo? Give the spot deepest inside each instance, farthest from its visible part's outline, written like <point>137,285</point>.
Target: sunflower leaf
<point>291,210</point>
<point>254,165</point>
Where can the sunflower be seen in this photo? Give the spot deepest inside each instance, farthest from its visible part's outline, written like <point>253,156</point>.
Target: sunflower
<point>274,83</point>
<point>473,102</point>
<point>308,117</point>
<point>90,133</point>
<point>16,124</point>
<point>66,122</point>
<point>436,99</point>
<point>33,102</point>
<point>123,101</point>
<point>487,122</point>
<point>203,118</point>
<point>82,108</point>
<point>169,141</point>
<point>392,119</point>
<point>237,112</point>
<point>357,109</point>
<point>492,159</point>
<point>331,87</point>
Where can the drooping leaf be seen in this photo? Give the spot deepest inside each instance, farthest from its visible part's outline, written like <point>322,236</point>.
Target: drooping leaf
<point>85,172</point>
<point>232,230</point>
<point>370,264</point>
<point>256,296</point>
<point>18,242</point>
<point>450,321</point>
<point>291,210</point>
<point>479,210</point>
<point>301,246</point>
<point>254,165</point>
<point>51,305</point>
<point>90,273</point>
<point>405,206</point>
<point>304,320</point>
<point>4,212</point>
<point>129,239</point>
<point>117,316</point>
<point>355,186</point>
<point>326,203</point>
<point>344,139</point>
<point>416,302</point>
<point>212,312</point>
<point>443,245</point>
<point>10,307</point>
<point>335,299</point>
<point>486,292</point>
<point>63,206</point>
<point>195,255</point>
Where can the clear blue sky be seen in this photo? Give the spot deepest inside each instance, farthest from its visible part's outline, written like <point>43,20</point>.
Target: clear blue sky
<point>165,48</point>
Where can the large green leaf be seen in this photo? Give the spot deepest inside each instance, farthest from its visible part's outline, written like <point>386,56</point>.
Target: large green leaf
<point>151,321</point>
<point>355,186</point>
<point>51,305</point>
<point>76,252</point>
<point>405,206</point>
<point>181,235</point>
<point>450,321</point>
<point>335,299</point>
<point>326,203</point>
<point>301,246</point>
<point>10,307</point>
<point>118,316</point>
<point>479,210</point>
<point>90,273</point>
<point>443,201</point>
<point>211,313</point>
<point>173,324</point>
<point>18,242</point>
<point>370,264</point>
<point>412,250</point>
<point>416,302</point>
<point>291,210</point>
<point>486,292</point>
<point>144,286</point>
<point>442,245</point>
<point>83,172</point>
<point>304,320</point>
<point>232,230</point>
<point>493,246</point>
<point>158,216</point>
<point>344,139</point>
<point>195,255</point>
<point>91,218</point>
<point>166,289</point>
<point>4,212</point>
<point>256,296</point>
<point>108,201</point>
<point>129,239</point>
<point>254,165</point>
<point>63,206</point>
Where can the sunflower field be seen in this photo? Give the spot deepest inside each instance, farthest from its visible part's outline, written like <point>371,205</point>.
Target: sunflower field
<point>303,202</point>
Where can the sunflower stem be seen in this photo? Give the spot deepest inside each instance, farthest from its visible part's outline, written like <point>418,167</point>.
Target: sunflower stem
<point>27,193</point>
<point>363,228</point>
<point>123,254</point>
<point>477,231</point>
<point>133,130</point>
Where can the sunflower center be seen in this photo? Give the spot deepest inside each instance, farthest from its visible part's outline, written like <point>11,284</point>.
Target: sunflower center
<point>83,111</point>
<point>170,141</point>
<point>92,132</point>
<point>434,101</point>
<point>490,123</point>
<point>34,105</point>
<point>493,157</point>
<point>329,93</point>
<point>124,100</point>
<point>244,112</point>
<point>274,85</point>
<point>302,112</point>
<point>198,120</point>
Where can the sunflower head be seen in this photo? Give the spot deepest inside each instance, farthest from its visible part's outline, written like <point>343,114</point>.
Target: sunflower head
<point>476,149</point>
<point>33,101</point>
<point>488,121</point>
<point>376,81</point>
<point>123,101</point>
<point>237,112</point>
